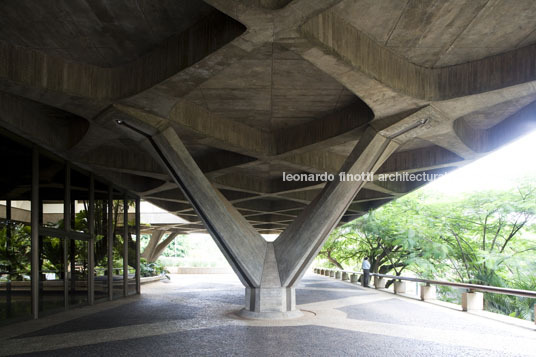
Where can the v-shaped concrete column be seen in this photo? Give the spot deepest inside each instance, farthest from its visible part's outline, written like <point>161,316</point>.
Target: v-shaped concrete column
<point>269,271</point>
<point>239,242</point>
<point>299,244</point>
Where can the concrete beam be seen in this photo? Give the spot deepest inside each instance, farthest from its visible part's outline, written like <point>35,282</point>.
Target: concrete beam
<point>237,239</point>
<point>300,242</point>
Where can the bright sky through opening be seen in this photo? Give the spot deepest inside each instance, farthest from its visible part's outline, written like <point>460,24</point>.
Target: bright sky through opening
<point>498,170</point>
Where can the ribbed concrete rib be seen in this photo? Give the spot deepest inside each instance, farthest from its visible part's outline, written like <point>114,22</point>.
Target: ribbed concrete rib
<point>242,245</point>
<point>297,246</point>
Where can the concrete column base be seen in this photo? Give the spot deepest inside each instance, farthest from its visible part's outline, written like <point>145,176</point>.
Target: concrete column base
<point>270,303</point>
<point>338,275</point>
<point>400,287</point>
<point>379,283</point>
<point>332,273</point>
<point>472,301</point>
<point>344,275</point>
<point>353,278</point>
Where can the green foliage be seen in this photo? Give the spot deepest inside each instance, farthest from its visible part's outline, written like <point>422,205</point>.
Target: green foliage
<point>16,255</point>
<point>484,238</point>
<point>151,269</point>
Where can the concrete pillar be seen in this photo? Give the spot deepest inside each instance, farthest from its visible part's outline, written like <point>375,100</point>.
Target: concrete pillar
<point>268,303</point>
<point>269,285</point>
<point>326,272</point>
<point>400,287</point>
<point>428,292</point>
<point>270,300</point>
<point>353,278</point>
<point>35,233</point>
<point>110,247</point>
<point>379,282</point>
<point>472,301</point>
<point>332,273</point>
<point>344,275</point>
<point>337,274</point>
<point>297,246</point>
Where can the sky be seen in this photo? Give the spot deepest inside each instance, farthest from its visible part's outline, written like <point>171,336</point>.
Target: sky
<point>497,170</point>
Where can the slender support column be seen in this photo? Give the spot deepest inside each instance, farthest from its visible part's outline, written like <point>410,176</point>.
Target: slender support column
<point>9,228</point>
<point>91,243</point>
<point>125,247</point>
<point>110,237</point>
<point>67,226</point>
<point>138,239</point>
<point>35,233</point>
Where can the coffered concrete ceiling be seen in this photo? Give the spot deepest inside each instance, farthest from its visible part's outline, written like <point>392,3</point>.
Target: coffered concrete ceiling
<point>257,88</point>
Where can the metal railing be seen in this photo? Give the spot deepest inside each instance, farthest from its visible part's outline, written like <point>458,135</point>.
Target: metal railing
<point>353,277</point>
<point>471,287</point>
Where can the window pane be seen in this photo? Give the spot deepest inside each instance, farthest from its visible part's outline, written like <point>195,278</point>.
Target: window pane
<point>101,241</point>
<point>79,201</point>
<point>132,247</point>
<point>77,271</point>
<point>51,191</point>
<point>15,258</point>
<point>118,251</point>
<point>51,274</point>
<point>15,234</point>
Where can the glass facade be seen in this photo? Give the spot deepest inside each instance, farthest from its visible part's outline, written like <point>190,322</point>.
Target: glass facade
<point>15,231</point>
<point>118,248</point>
<point>132,256</point>
<point>102,238</point>
<point>51,274</point>
<point>66,238</point>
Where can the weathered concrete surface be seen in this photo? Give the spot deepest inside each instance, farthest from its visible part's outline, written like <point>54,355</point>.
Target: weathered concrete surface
<point>193,315</point>
<point>284,86</point>
<point>235,93</point>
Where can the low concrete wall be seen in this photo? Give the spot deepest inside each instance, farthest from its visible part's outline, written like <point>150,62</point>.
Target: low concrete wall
<point>195,270</point>
<point>150,279</point>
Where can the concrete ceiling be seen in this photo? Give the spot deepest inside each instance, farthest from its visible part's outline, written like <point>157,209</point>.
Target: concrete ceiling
<point>102,33</point>
<point>255,88</point>
<point>440,33</point>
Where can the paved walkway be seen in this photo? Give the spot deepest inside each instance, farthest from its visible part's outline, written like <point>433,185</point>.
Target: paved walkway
<point>192,315</point>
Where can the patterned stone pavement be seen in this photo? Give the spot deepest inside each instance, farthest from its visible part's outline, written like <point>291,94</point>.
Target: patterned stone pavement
<point>193,315</point>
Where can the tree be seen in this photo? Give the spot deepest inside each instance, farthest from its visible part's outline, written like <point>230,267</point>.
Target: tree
<point>485,238</point>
